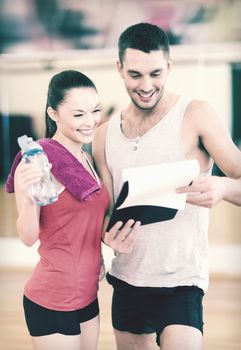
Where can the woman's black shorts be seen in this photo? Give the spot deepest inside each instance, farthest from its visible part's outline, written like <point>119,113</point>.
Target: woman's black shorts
<point>141,310</point>
<point>41,321</point>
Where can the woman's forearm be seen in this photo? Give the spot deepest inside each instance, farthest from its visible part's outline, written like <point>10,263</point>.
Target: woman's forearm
<point>28,221</point>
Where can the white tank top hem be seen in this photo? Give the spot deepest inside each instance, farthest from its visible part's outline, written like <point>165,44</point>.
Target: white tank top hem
<point>171,284</point>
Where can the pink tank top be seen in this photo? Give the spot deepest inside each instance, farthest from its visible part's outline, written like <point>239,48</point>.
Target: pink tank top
<point>66,277</point>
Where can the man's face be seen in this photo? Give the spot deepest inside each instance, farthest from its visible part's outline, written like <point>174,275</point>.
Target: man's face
<point>144,76</point>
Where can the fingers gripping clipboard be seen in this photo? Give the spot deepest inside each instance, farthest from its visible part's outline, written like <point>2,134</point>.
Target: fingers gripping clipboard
<point>148,194</point>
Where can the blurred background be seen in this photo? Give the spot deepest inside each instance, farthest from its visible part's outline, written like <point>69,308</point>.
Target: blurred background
<point>39,38</point>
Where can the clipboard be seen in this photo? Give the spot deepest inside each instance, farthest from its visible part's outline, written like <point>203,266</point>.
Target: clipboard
<point>148,193</point>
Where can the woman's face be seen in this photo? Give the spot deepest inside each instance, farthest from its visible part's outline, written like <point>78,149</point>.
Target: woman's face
<point>78,115</point>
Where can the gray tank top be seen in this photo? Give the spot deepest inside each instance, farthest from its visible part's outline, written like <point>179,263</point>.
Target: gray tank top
<point>170,253</point>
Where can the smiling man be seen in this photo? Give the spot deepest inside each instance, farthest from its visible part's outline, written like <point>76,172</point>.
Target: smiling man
<point>159,285</point>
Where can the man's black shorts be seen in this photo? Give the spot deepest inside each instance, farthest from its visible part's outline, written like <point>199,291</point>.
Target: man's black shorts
<point>141,310</point>
<point>41,321</point>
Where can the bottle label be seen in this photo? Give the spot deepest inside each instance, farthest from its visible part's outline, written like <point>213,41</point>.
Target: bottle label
<point>32,152</point>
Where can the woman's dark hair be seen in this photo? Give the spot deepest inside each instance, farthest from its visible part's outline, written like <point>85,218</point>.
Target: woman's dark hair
<point>145,37</point>
<point>59,85</point>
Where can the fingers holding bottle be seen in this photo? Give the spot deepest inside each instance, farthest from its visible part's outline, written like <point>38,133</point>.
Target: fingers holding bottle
<point>26,175</point>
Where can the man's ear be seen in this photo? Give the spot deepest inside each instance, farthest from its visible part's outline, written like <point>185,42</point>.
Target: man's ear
<point>120,68</point>
<point>52,114</point>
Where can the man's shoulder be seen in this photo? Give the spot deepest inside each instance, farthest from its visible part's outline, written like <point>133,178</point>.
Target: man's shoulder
<point>101,130</point>
<point>197,107</point>
<point>99,138</point>
<point>201,114</point>
<point>197,104</point>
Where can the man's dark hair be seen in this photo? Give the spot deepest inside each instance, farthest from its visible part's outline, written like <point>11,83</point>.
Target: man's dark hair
<point>145,37</point>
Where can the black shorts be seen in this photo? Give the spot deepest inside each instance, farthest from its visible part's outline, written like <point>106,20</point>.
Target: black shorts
<point>147,310</point>
<point>42,321</point>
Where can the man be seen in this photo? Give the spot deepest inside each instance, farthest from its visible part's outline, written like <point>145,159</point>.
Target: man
<point>159,284</point>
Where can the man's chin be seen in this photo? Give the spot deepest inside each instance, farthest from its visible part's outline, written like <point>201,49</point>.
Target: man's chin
<point>145,106</point>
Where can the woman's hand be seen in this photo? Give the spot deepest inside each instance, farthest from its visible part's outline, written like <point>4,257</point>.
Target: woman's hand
<point>26,175</point>
<point>122,240</point>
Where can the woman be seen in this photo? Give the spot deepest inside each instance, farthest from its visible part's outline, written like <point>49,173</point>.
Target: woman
<point>60,299</point>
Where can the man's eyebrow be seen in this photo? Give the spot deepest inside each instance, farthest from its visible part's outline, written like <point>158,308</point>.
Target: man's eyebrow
<point>156,70</point>
<point>133,71</point>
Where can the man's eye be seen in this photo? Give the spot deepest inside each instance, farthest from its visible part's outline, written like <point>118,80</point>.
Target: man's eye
<point>156,74</point>
<point>134,75</point>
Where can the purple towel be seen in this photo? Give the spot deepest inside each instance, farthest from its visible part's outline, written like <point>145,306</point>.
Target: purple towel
<point>65,167</point>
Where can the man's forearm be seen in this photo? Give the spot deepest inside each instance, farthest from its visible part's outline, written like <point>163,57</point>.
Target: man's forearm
<point>233,191</point>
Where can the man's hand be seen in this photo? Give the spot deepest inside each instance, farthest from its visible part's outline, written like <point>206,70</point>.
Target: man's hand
<point>122,240</point>
<point>205,191</point>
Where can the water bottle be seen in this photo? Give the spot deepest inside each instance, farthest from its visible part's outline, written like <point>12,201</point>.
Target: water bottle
<point>45,191</point>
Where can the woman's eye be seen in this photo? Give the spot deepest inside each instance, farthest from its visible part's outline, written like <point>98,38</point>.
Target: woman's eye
<point>97,110</point>
<point>78,115</point>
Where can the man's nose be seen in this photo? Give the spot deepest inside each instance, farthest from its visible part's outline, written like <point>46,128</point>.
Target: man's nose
<point>146,84</point>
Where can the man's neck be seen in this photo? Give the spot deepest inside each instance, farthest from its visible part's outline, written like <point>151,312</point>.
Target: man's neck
<point>136,122</point>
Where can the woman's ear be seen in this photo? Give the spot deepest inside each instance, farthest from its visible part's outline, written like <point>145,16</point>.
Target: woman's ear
<point>169,64</point>
<point>52,114</point>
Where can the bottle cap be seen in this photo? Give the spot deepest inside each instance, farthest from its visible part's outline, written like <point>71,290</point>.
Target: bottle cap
<point>26,143</point>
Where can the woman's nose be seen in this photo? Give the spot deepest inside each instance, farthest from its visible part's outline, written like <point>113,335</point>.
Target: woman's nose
<point>90,119</point>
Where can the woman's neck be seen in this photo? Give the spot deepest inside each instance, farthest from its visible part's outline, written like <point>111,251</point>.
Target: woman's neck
<point>73,147</point>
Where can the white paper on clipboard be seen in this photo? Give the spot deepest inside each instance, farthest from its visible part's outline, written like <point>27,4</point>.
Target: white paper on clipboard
<point>156,184</point>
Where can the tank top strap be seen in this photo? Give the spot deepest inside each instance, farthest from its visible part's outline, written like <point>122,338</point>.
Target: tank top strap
<point>181,106</point>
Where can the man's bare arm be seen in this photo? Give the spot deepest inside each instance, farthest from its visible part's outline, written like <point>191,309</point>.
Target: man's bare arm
<point>219,145</point>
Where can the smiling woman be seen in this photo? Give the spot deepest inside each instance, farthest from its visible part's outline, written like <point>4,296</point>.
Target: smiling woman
<point>61,294</point>
<point>60,298</point>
